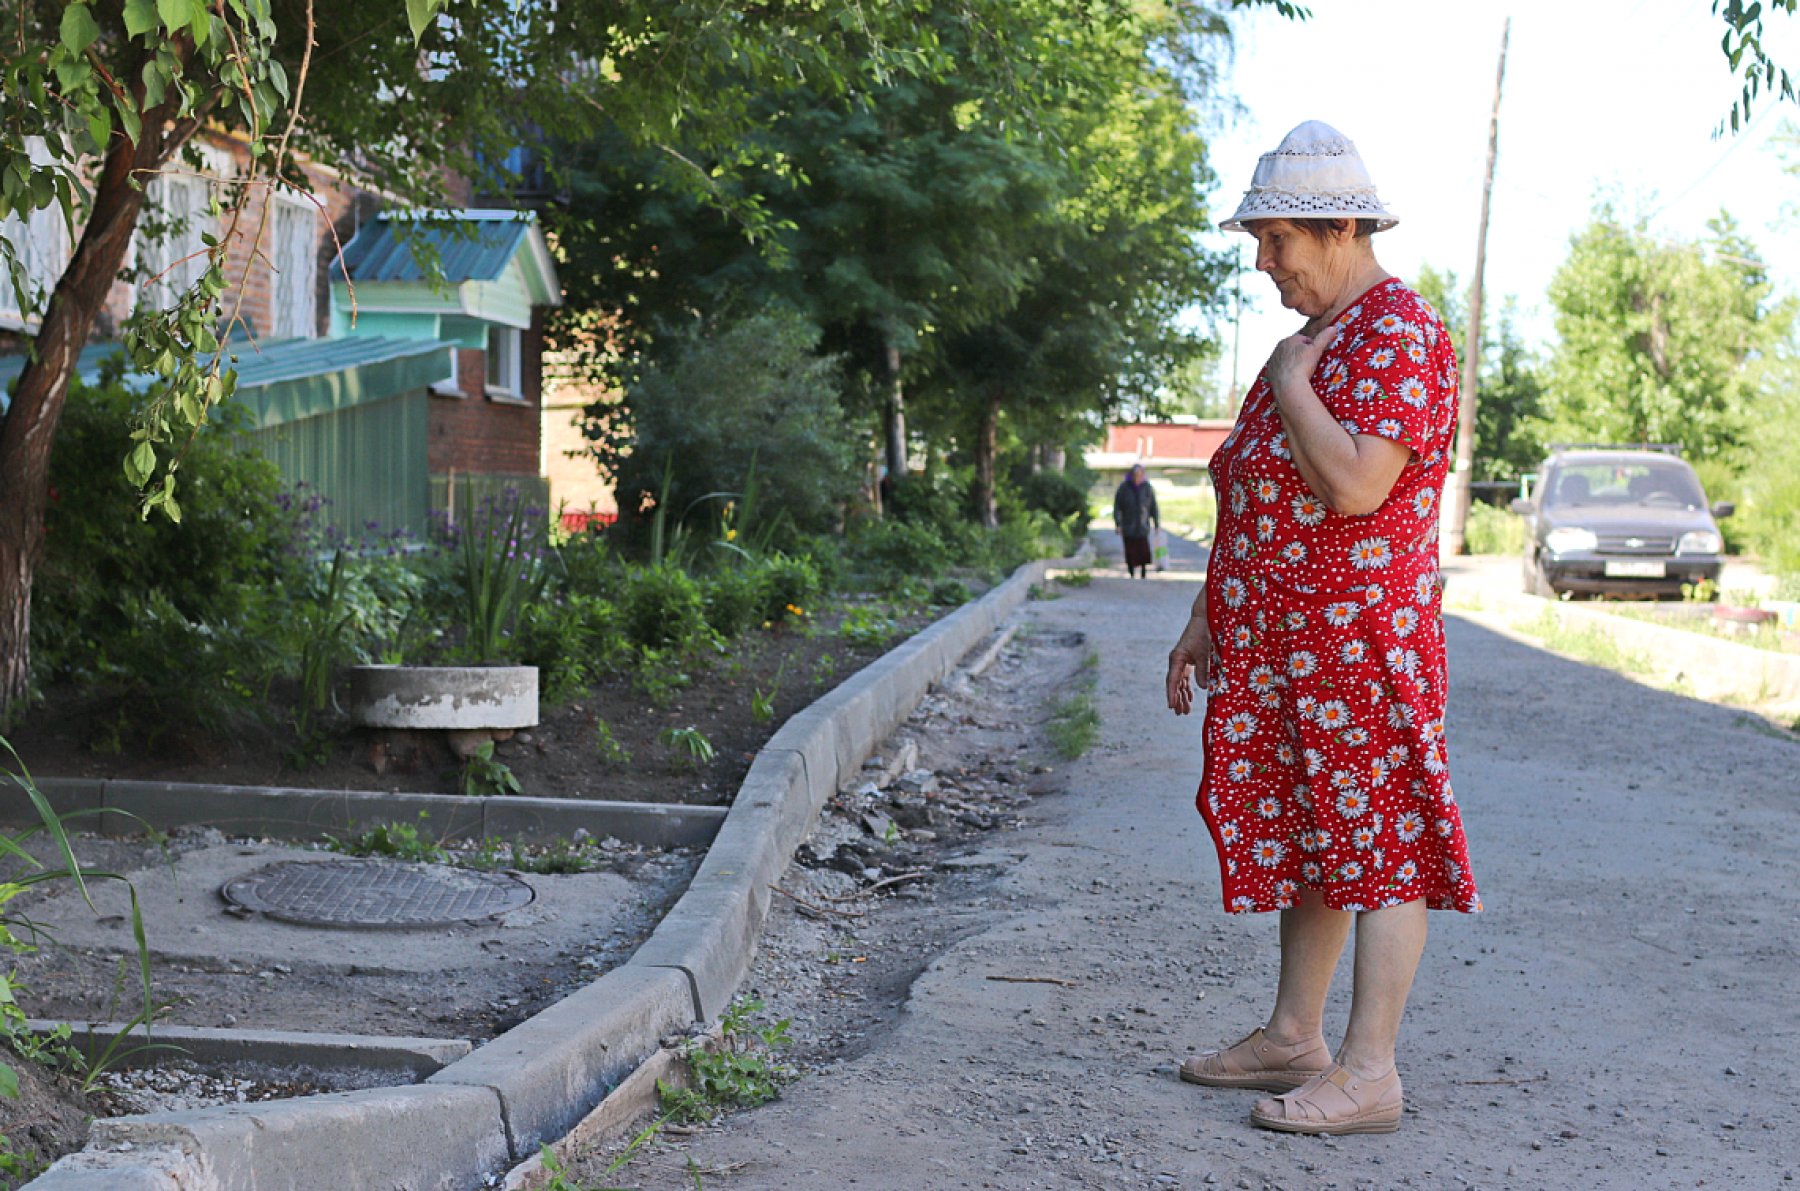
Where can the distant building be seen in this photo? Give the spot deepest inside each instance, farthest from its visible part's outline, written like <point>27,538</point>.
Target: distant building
<point>1183,444</point>
<point>379,388</point>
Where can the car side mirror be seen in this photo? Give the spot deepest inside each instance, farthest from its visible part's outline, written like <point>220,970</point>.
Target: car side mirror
<point>1723,509</point>
<point>1521,505</point>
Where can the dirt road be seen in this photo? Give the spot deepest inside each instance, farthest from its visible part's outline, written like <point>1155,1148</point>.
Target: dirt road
<point>1622,1016</point>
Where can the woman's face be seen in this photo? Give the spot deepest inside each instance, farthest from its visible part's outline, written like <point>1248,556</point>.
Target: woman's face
<point>1309,271</point>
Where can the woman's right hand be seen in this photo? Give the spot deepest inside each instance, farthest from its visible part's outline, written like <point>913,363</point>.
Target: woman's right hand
<point>1192,656</point>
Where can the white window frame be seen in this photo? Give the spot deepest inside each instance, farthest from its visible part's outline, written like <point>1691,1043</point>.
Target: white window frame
<point>179,195</point>
<point>293,279</point>
<point>505,368</point>
<point>451,386</point>
<point>41,240</point>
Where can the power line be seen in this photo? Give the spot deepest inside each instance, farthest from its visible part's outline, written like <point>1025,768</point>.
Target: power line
<point>1768,109</point>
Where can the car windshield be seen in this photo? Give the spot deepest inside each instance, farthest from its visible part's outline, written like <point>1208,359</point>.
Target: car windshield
<point>1666,483</point>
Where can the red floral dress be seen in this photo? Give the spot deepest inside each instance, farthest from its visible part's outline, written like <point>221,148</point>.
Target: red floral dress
<point>1325,755</point>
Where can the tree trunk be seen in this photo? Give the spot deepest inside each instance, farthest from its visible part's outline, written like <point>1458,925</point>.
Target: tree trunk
<point>987,446</point>
<point>896,415</point>
<point>29,427</point>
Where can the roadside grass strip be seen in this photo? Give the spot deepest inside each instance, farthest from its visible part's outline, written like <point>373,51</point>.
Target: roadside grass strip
<point>1589,643</point>
<point>1075,720</point>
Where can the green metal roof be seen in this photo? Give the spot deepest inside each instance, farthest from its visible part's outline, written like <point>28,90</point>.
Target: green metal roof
<point>303,377</point>
<point>470,245</point>
<point>298,378</point>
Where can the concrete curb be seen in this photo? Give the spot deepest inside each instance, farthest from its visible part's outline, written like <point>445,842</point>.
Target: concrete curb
<point>125,807</point>
<point>489,1111</point>
<point>1712,667</point>
<point>356,1060</point>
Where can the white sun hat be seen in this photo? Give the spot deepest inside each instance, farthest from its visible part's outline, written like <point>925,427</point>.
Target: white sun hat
<point>1315,173</point>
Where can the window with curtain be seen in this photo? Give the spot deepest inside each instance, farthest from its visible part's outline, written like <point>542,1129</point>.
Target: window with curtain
<point>171,257</point>
<point>40,242</point>
<point>293,286</point>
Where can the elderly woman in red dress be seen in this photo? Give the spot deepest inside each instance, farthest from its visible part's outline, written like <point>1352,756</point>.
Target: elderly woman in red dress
<point>1317,638</point>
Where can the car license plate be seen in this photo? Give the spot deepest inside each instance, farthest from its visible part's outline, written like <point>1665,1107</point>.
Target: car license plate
<point>1635,569</point>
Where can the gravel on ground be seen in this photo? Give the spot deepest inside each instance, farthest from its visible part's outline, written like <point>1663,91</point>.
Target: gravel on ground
<point>1619,1018</point>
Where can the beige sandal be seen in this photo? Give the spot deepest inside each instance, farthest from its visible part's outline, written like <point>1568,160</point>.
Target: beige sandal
<point>1336,1102</point>
<point>1257,1062</point>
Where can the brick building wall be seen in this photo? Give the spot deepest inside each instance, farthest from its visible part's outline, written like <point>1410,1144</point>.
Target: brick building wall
<point>476,434</point>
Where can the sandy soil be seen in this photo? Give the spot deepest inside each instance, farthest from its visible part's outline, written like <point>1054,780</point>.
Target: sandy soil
<point>1621,1017</point>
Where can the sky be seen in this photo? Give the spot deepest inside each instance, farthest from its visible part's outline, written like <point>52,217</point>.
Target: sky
<point>1619,95</point>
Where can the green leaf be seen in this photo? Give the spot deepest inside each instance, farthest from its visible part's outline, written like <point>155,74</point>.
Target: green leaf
<point>133,122</point>
<point>278,78</point>
<point>78,28</point>
<point>100,128</point>
<point>419,14</point>
<point>186,14</point>
<point>9,1082</point>
<point>140,17</point>
<point>72,72</point>
<point>139,464</point>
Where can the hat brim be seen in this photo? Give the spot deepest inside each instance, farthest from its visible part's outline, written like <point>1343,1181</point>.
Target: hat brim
<point>1252,210</point>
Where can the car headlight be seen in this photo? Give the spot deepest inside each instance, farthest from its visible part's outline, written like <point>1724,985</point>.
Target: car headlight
<point>1700,541</point>
<point>1565,538</point>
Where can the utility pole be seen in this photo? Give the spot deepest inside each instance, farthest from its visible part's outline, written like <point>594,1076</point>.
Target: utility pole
<point>1457,492</point>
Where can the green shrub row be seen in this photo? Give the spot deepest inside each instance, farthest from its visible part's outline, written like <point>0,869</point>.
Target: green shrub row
<point>186,627</point>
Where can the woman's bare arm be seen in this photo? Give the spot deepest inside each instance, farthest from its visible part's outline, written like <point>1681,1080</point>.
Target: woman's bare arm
<point>1351,473</point>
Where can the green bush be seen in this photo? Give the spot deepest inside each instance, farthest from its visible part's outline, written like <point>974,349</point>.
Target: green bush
<point>788,583</point>
<point>1768,516</point>
<point>662,608</point>
<point>950,593</point>
<point>572,641</point>
<point>585,563</point>
<point>1063,495</point>
<point>742,412</point>
<point>1493,530</point>
<point>735,599</point>
<point>826,553</point>
<point>892,551</point>
<point>867,627</point>
<point>185,621</point>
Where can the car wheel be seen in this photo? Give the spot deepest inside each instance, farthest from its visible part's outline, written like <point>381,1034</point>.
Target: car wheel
<point>1537,583</point>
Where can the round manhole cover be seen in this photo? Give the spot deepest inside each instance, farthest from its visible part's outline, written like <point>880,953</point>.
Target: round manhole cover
<point>375,893</point>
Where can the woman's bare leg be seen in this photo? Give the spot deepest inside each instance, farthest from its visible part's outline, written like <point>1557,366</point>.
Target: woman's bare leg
<point>1312,939</point>
<point>1388,945</point>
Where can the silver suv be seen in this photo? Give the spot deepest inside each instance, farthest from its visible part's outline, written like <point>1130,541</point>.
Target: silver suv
<point>1606,520</point>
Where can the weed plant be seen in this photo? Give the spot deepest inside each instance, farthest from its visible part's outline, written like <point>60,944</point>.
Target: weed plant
<point>484,777</point>
<point>390,841</point>
<point>689,746</point>
<point>741,1070</point>
<point>950,593</point>
<point>502,566</point>
<point>608,746</point>
<point>19,935</point>
<point>867,628</point>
